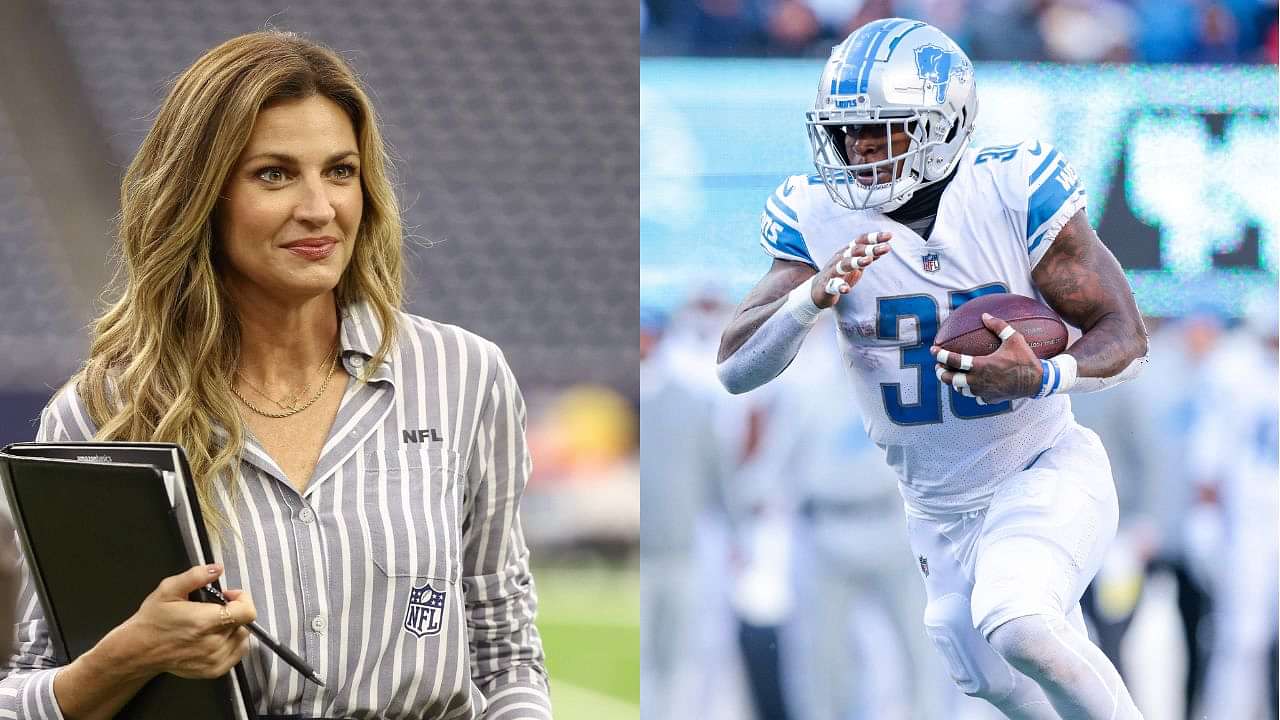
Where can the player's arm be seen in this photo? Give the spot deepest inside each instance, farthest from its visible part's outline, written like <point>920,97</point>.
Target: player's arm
<point>771,322</point>
<point>1082,281</point>
<point>761,303</point>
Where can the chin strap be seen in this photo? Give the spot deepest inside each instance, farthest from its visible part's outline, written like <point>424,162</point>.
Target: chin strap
<point>1059,374</point>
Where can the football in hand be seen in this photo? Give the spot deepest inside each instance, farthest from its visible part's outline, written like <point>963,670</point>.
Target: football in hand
<point>963,331</point>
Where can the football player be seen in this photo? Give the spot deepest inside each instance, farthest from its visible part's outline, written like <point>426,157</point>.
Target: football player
<point>1237,455</point>
<point>1010,503</point>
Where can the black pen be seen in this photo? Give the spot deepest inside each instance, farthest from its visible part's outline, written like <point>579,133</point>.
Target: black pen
<point>285,653</point>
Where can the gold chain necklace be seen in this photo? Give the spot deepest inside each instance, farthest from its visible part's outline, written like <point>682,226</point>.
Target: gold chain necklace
<point>288,403</point>
<point>292,408</point>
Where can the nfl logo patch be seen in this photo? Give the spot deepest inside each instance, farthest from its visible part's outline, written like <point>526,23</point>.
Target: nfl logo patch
<point>932,263</point>
<point>924,565</point>
<point>425,612</point>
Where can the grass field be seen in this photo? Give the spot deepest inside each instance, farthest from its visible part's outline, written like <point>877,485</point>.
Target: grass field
<point>589,618</point>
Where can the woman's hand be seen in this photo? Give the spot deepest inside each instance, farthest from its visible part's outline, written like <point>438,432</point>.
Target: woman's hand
<point>172,634</point>
<point>169,633</point>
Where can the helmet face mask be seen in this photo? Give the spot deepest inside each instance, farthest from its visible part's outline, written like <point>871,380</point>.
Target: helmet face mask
<point>892,74</point>
<point>874,183</point>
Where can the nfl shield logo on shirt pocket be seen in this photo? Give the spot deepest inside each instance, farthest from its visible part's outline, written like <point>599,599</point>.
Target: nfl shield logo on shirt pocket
<point>932,262</point>
<point>425,613</point>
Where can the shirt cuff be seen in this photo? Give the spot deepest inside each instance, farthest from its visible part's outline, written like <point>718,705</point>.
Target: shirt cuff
<point>33,698</point>
<point>521,700</point>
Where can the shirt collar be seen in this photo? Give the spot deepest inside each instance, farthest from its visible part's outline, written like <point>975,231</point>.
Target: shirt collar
<point>360,335</point>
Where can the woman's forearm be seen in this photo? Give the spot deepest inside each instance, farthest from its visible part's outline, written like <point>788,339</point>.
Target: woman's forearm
<point>97,684</point>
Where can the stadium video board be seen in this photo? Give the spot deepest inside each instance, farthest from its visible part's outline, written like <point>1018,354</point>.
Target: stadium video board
<point>1180,164</point>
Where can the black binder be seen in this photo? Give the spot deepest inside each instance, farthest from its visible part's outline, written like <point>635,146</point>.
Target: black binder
<point>101,525</point>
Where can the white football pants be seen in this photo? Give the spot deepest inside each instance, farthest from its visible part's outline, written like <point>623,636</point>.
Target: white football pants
<point>1027,556</point>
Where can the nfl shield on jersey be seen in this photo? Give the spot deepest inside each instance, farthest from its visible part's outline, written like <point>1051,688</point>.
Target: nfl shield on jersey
<point>996,220</point>
<point>425,611</point>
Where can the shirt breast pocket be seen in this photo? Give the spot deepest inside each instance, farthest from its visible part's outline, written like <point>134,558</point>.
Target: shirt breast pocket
<point>413,503</point>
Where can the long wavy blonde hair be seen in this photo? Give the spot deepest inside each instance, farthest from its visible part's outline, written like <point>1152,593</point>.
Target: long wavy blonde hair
<point>162,359</point>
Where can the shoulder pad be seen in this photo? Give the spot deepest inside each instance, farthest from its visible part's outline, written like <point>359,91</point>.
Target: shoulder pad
<point>781,226</point>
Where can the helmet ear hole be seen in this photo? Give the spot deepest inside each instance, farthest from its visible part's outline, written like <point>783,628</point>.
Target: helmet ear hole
<point>955,127</point>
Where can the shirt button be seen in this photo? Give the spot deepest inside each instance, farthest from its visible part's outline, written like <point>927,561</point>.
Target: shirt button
<point>306,515</point>
<point>357,361</point>
<point>317,623</point>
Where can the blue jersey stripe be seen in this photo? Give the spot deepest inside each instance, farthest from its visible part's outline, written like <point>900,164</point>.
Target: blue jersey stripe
<point>784,255</point>
<point>781,204</point>
<point>775,217</point>
<point>1046,201</point>
<point>1031,179</point>
<point>789,240</point>
<point>1035,244</point>
<point>1042,234</point>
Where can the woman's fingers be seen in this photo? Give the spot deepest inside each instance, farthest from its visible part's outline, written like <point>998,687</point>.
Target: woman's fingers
<point>178,587</point>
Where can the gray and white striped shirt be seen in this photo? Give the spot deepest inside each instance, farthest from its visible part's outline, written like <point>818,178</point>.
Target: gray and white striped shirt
<point>400,573</point>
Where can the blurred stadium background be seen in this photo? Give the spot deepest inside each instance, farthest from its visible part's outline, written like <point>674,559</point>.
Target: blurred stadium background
<point>762,566</point>
<point>515,129</point>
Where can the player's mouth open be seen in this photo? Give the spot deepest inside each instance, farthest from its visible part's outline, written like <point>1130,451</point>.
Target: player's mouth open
<point>873,176</point>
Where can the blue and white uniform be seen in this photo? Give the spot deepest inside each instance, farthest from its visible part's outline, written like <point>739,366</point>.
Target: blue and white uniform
<point>1010,505</point>
<point>1236,448</point>
<point>996,220</point>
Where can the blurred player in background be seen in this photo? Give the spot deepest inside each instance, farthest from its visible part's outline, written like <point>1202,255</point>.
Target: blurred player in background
<point>749,539</point>
<point>760,525</point>
<point>1010,503</point>
<point>1236,460</point>
<point>1176,532</point>
<point>741,549</point>
<point>681,465</point>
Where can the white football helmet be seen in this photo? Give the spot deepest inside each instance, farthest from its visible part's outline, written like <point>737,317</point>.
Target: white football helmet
<point>890,73</point>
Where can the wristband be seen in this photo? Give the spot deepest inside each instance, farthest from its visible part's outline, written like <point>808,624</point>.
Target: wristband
<point>1058,375</point>
<point>800,305</point>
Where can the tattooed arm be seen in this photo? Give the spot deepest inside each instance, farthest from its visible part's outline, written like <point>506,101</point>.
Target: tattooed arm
<point>1082,282</point>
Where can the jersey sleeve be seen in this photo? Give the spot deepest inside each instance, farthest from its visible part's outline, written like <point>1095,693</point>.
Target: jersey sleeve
<point>1053,194</point>
<point>780,232</point>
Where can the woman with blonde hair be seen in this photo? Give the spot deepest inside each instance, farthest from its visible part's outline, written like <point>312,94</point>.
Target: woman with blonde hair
<point>360,468</point>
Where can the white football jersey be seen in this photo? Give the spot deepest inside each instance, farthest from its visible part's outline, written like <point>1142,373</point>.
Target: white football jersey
<point>996,220</point>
